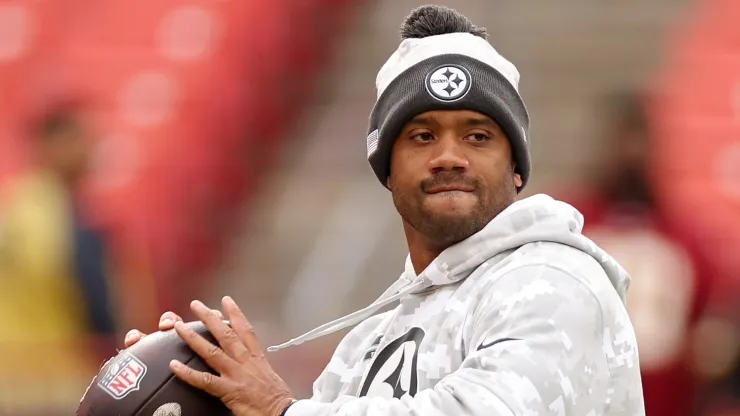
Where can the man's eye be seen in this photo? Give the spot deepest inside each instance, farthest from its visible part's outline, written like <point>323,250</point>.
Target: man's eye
<point>478,137</point>
<point>423,137</point>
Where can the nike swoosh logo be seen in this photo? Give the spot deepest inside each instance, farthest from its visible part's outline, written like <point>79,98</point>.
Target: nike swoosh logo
<point>492,343</point>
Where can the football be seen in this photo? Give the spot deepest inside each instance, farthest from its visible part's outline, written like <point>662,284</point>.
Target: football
<point>138,381</point>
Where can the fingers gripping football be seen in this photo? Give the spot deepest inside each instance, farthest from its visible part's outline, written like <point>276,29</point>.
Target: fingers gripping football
<point>166,322</point>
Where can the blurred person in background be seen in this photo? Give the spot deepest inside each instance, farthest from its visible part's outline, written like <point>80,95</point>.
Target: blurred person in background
<point>671,279</point>
<point>54,280</point>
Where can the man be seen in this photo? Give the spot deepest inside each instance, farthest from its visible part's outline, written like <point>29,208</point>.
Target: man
<point>505,308</point>
<point>52,266</point>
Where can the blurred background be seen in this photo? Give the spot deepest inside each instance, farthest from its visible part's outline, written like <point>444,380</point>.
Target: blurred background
<point>154,152</point>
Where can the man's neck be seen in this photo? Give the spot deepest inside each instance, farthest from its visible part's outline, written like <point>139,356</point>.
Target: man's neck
<point>421,251</point>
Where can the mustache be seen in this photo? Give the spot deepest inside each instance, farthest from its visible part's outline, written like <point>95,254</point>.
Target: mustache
<point>450,179</point>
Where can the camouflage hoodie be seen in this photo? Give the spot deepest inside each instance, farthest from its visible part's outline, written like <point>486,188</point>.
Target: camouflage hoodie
<point>526,317</point>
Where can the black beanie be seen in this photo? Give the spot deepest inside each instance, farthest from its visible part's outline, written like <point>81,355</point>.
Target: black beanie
<point>445,63</point>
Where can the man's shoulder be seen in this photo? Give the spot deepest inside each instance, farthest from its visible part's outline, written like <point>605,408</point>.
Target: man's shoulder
<point>537,266</point>
<point>30,188</point>
<point>554,256</point>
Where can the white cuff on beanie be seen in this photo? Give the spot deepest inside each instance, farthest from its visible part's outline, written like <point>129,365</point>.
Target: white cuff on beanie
<point>414,50</point>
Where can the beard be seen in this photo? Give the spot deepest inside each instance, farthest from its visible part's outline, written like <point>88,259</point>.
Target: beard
<point>445,228</point>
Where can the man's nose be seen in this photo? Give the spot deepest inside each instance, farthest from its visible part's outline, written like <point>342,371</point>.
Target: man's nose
<point>448,155</point>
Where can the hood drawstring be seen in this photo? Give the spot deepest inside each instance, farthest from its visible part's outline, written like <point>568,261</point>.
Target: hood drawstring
<point>401,289</point>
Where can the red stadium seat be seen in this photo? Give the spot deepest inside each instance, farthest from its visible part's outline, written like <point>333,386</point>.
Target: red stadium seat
<point>697,125</point>
<point>189,96</point>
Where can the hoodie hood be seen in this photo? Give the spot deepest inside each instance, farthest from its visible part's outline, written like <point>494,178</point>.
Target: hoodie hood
<point>538,218</point>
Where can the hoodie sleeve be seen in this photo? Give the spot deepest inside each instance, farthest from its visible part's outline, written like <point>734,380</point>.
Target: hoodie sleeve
<point>534,348</point>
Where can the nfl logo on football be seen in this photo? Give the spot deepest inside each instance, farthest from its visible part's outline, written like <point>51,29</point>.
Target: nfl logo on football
<point>123,377</point>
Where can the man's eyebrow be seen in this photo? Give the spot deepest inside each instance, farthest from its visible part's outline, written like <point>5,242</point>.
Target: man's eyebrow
<point>478,122</point>
<point>424,121</point>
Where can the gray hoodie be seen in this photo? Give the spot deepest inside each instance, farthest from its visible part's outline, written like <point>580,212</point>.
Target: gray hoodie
<point>526,317</point>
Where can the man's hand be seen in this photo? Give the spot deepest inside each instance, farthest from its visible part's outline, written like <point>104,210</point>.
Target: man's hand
<point>166,322</point>
<point>246,383</point>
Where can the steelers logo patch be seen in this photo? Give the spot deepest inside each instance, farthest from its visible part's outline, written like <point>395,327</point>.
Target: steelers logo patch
<point>448,82</point>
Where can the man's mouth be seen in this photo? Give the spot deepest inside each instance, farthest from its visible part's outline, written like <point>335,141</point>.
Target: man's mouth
<point>450,188</point>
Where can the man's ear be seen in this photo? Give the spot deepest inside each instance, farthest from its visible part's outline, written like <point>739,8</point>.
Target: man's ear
<point>518,180</point>
<point>389,183</point>
<point>517,177</point>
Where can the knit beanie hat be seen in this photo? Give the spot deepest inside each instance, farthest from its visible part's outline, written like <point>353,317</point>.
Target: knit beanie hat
<point>444,62</point>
